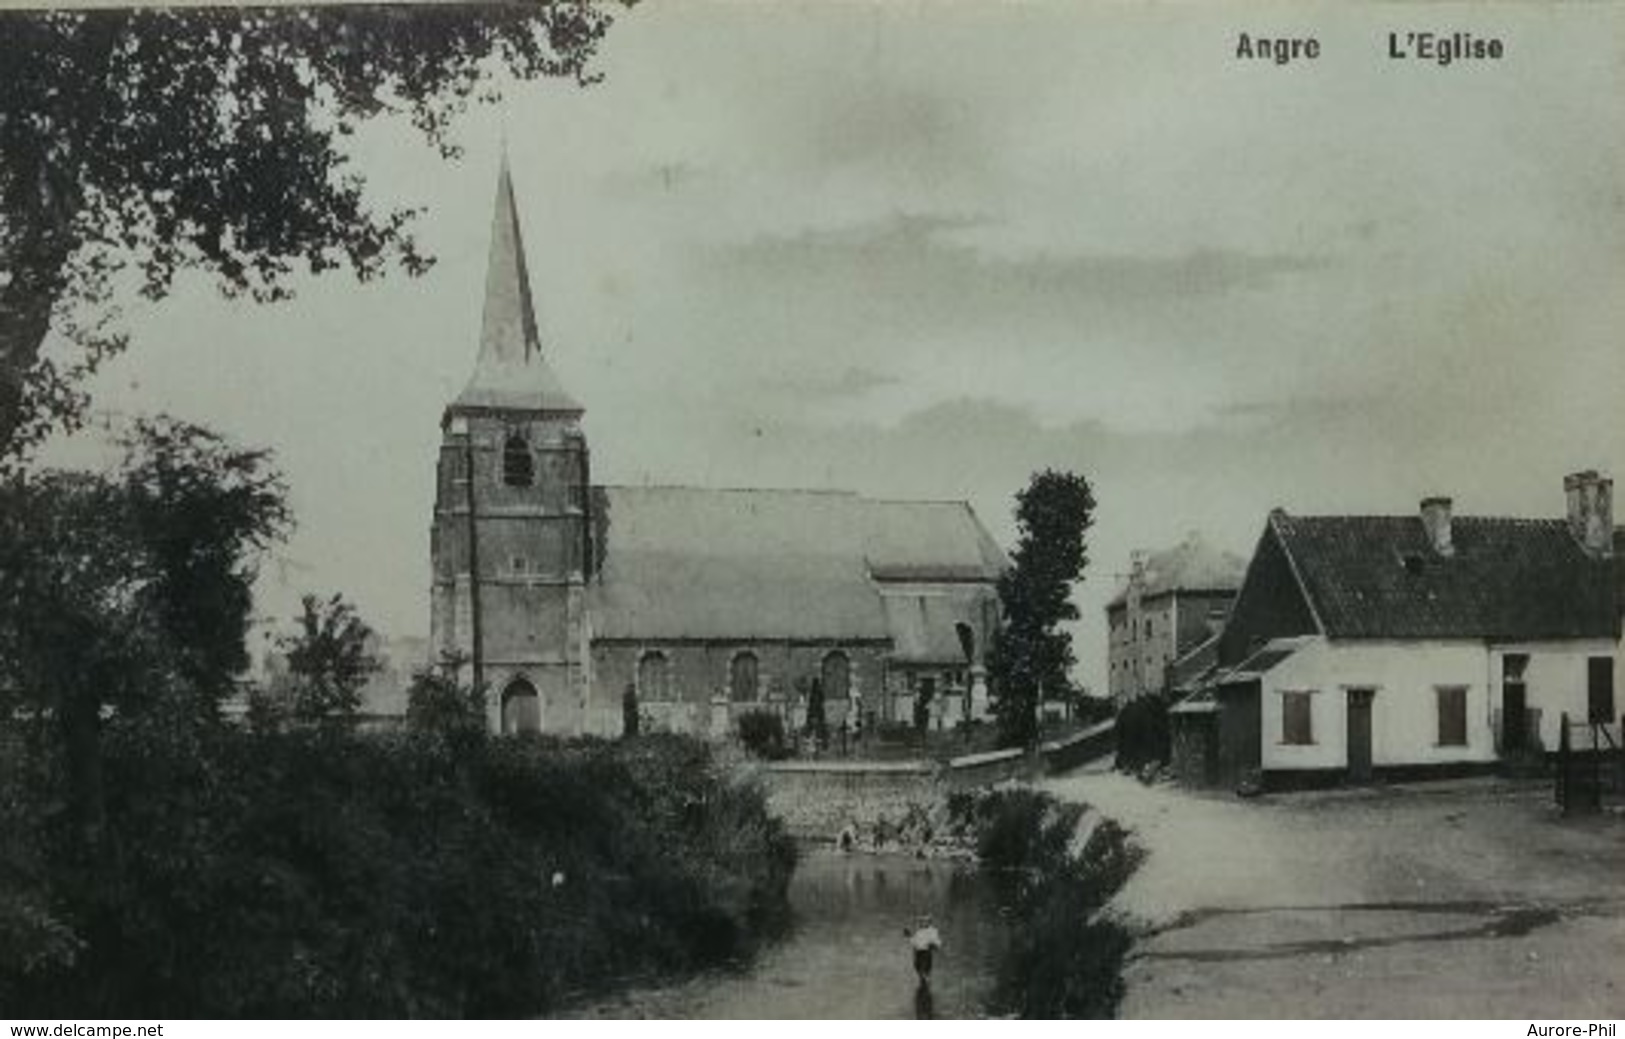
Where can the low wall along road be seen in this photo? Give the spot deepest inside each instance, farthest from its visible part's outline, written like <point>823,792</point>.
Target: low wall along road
<point>895,802</point>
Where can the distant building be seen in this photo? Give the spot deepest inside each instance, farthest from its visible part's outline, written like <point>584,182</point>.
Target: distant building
<point>561,595</point>
<point>1362,645</point>
<point>1162,624</point>
<point>383,697</point>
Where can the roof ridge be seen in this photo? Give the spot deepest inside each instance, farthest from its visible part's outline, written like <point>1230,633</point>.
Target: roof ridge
<point>1455,517</point>
<point>834,492</point>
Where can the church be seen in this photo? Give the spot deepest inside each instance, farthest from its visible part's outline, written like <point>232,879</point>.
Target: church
<point>560,597</point>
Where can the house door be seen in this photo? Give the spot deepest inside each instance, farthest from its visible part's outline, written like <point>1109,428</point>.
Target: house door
<point>1514,718</point>
<point>1359,732</point>
<point>1514,704</point>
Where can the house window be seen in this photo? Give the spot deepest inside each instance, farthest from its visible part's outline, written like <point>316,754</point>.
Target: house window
<point>518,468</point>
<point>1297,727</point>
<point>743,678</point>
<point>1452,715</point>
<point>1600,690</point>
<point>654,678</point>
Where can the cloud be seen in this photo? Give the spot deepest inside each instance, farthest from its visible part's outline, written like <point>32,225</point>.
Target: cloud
<point>655,177</point>
<point>935,254</point>
<point>816,386</point>
<point>895,130</point>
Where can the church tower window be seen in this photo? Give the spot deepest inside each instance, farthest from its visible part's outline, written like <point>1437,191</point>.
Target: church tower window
<point>518,468</point>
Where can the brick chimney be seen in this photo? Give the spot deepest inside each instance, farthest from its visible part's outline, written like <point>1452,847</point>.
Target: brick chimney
<point>1436,523</point>
<point>1591,511</point>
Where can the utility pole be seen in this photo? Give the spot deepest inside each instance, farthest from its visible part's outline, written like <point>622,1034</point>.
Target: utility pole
<point>476,636</point>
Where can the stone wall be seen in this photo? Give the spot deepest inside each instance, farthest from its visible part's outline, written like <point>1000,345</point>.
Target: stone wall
<point>819,799</point>
<point>700,673</point>
<point>818,802</point>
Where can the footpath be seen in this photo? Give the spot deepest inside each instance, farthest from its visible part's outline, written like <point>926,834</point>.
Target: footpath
<point>1458,899</point>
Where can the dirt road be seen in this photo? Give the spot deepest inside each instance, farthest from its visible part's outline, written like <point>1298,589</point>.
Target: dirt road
<point>1470,898</point>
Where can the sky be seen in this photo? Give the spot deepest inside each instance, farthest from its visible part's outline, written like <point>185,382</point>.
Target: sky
<point>923,249</point>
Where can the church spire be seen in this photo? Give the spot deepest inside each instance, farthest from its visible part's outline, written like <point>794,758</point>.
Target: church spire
<point>508,330</point>
<point>510,371</point>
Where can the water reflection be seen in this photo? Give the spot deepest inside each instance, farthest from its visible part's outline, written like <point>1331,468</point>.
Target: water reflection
<point>846,955</point>
<point>924,1006</point>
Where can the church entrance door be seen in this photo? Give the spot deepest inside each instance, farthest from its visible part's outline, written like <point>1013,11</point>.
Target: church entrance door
<point>521,708</point>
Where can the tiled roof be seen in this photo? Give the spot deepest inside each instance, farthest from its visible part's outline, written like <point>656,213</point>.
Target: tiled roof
<point>1371,577</point>
<point>928,541</point>
<point>1187,669</point>
<point>1266,658</point>
<point>684,562</point>
<point>923,626</point>
<point>1192,565</point>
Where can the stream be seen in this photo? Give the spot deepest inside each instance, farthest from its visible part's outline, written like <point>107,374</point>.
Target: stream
<point>845,955</point>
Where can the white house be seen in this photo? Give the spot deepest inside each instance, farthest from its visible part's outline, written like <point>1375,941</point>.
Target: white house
<point>1411,645</point>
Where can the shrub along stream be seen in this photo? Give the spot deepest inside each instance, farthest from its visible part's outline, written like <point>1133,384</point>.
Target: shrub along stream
<point>319,873</point>
<point>1066,952</point>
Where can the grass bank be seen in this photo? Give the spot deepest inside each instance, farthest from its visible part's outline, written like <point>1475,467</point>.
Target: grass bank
<point>1053,878</point>
<point>327,875</point>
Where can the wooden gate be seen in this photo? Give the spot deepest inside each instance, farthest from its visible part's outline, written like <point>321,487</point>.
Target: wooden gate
<point>1590,765</point>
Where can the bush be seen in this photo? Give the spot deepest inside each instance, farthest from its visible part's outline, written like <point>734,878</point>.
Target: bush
<point>762,733</point>
<point>1020,833</point>
<point>1143,733</point>
<point>322,874</point>
<point>1065,956</point>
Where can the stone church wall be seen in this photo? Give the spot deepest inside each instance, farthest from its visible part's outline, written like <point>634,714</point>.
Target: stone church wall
<point>700,673</point>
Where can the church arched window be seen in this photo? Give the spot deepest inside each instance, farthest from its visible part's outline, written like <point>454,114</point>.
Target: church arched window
<point>743,677</point>
<point>518,468</point>
<point>837,675</point>
<point>653,678</point>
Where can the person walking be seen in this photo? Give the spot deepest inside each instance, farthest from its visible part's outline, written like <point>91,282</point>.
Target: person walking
<point>925,940</point>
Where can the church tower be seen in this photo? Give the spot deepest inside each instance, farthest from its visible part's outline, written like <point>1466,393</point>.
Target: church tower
<point>510,541</point>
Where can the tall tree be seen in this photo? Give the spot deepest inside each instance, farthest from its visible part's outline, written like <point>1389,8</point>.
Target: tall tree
<point>1030,655</point>
<point>128,595</point>
<point>155,139</point>
<point>330,659</point>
